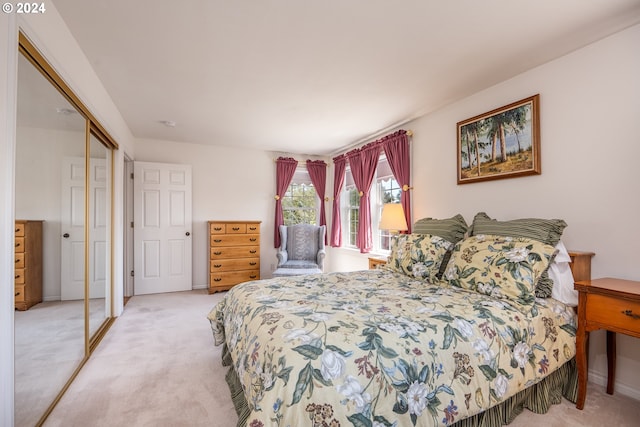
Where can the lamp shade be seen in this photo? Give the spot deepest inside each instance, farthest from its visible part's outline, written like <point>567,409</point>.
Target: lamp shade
<point>393,218</point>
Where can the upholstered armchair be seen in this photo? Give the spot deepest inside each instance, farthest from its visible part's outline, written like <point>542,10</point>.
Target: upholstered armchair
<point>301,251</point>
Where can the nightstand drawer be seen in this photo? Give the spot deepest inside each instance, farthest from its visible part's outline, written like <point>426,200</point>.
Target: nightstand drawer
<point>616,313</point>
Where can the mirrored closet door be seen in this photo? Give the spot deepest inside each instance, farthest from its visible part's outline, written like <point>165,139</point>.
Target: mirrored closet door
<point>63,187</point>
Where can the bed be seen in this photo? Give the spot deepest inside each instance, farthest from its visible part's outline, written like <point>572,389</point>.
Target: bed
<point>458,328</point>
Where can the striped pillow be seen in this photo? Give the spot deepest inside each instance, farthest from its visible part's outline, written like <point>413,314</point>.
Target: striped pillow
<point>451,229</point>
<point>546,231</point>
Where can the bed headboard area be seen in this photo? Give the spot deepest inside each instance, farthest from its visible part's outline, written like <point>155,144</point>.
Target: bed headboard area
<point>547,231</point>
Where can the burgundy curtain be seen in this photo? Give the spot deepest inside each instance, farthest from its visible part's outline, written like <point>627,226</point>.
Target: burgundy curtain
<point>340,166</point>
<point>396,148</point>
<point>285,168</point>
<point>318,173</point>
<point>363,162</point>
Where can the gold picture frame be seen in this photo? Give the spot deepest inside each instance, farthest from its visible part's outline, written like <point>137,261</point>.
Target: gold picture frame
<point>503,143</point>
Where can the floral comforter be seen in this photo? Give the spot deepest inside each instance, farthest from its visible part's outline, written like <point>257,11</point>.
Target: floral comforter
<point>378,348</point>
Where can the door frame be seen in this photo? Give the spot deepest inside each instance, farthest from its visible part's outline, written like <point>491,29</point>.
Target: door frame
<point>128,279</point>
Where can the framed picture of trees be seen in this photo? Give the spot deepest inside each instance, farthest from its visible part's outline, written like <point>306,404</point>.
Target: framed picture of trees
<point>503,143</point>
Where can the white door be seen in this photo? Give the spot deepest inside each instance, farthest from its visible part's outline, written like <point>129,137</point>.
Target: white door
<point>162,227</point>
<point>72,228</point>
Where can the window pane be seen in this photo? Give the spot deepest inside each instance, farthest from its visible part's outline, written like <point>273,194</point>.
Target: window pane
<point>384,190</point>
<point>300,202</point>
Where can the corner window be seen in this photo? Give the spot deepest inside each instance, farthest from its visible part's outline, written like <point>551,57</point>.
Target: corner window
<point>300,204</point>
<point>385,189</point>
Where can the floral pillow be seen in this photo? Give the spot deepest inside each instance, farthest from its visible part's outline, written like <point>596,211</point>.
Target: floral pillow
<point>499,266</point>
<point>418,255</point>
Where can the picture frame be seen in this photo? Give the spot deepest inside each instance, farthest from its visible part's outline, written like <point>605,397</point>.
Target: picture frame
<point>502,143</point>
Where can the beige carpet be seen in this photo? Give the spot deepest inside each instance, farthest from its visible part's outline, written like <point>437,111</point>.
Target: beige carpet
<point>158,367</point>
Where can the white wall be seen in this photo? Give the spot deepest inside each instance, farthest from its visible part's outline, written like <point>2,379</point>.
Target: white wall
<point>8,79</point>
<point>228,184</point>
<point>589,110</point>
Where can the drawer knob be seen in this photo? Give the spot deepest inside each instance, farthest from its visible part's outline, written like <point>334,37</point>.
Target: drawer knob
<point>17,293</point>
<point>17,245</point>
<point>17,276</point>
<point>253,239</point>
<point>252,228</point>
<point>217,240</point>
<point>217,279</point>
<point>217,265</point>
<point>631,314</point>
<point>217,253</point>
<point>253,276</point>
<point>252,251</point>
<point>252,263</point>
<point>217,228</point>
<point>236,228</point>
<point>17,261</point>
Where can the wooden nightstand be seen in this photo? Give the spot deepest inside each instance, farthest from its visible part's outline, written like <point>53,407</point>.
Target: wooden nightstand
<point>610,304</point>
<point>375,262</point>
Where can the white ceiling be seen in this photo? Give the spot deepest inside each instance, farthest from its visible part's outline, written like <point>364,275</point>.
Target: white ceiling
<point>311,76</point>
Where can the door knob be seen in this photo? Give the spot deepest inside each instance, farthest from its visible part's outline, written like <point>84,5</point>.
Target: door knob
<point>65,235</point>
<point>187,233</point>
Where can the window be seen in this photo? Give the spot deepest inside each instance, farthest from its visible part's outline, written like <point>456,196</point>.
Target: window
<point>300,203</point>
<point>385,189</point>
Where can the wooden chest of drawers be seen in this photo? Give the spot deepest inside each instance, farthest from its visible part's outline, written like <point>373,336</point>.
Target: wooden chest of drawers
<point>28,264</point>
<point>234,253</point>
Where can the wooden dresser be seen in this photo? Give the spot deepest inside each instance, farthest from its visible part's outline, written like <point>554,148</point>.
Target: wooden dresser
<point>234,257</point>
<point>28,266</point>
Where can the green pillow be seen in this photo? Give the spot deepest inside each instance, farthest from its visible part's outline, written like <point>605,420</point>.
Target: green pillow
<point>499,266</point>
<point>547,231</point>
<point>452,229</point>
<point>418,255</point>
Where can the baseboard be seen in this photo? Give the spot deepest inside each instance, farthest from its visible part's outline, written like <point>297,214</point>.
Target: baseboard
<point>195,287</point>
<point>601,380</point>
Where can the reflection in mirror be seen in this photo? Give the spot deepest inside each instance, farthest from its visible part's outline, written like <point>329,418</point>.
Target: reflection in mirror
<point>99,231</point>
<point>50,335</point>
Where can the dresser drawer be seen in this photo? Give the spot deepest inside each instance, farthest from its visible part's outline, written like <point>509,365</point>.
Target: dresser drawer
<point>217,228</point>
<point>223,252</point>
<point>19,260</point>
<point>235,240</point>
<point>19,229</point>
<point>615,312</point>
<point>236,228</point>
<point>235,264</point>
<point>20,293</point>
<point>19,242</point>
<point>19,275</point>
<point>233,277</point>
